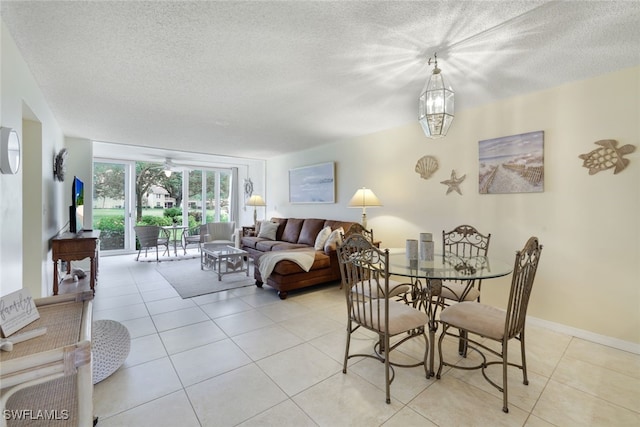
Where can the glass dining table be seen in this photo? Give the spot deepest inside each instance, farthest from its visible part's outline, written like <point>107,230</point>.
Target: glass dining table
<point>426,279</point>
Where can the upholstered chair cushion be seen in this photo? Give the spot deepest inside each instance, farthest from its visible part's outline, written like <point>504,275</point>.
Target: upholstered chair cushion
<point>395,289</point>
<point>402,317</point>
<point>480,319</point>
<point>453,291</point>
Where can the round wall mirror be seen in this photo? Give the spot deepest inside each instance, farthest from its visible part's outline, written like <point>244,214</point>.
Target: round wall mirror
<point>9,151</point>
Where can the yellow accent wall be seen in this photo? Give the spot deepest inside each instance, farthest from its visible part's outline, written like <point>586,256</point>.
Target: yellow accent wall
<point>589,275</point>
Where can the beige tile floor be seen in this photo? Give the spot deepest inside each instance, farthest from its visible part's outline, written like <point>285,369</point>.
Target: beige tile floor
<point>244,357</point>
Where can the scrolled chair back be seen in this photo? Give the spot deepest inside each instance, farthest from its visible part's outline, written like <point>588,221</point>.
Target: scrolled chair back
<point>364,270</point>
<point>359,229</point>
<point>524,273</point>
<point>465,240</point>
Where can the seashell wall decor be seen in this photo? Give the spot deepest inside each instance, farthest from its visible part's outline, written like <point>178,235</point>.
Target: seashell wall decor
<point>607,156</point>
<point>426,166</point>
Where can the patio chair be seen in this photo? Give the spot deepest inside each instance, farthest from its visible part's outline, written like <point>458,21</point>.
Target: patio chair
<point>151,236</point>
<point>192,236</point>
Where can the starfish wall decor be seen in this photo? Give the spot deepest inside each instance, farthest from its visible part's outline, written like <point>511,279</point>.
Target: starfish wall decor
<point>454,183</point>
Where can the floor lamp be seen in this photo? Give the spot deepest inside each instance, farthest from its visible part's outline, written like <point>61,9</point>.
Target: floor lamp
<point>364,198</point>
<point>256,201</point>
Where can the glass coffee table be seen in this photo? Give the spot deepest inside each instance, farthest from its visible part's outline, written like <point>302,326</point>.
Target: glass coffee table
<point>223,259</point>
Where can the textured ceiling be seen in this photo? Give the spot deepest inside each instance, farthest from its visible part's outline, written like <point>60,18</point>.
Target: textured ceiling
<point>259,79</point>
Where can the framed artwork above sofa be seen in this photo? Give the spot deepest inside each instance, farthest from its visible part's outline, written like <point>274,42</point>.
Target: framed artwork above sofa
<point>312,184</point>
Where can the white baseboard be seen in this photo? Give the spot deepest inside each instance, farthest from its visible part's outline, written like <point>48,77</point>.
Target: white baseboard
<point>586,335</point>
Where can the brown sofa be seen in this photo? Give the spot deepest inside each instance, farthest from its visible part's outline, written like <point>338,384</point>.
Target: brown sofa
<point>295,234</point>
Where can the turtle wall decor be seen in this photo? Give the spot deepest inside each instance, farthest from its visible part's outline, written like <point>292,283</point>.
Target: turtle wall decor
<point>607,156</point>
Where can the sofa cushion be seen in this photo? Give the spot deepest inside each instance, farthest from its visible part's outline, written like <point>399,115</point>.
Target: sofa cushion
<point>335,238</point>
<point>321,239</point>
<point>258,224</point>
<point>292,230</point>
<point>285,246</point>
<point>266,245</point>
<point>250,241</point>
<point>268,230</point>
<point>283,224</point>
<point>310,229</point>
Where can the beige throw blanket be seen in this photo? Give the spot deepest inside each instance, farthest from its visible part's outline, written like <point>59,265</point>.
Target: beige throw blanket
<point>269,260</point>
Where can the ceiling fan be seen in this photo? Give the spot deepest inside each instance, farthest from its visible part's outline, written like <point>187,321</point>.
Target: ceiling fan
<point>170,167</point>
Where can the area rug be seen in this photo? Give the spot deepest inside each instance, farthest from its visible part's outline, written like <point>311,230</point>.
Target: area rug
<point>189,280</point>
<point>164,258</point>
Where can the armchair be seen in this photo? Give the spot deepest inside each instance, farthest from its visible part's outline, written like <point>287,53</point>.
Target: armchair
<point>218,234</point>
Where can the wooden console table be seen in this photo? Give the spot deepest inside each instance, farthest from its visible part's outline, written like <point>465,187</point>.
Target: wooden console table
<point>75,247</point>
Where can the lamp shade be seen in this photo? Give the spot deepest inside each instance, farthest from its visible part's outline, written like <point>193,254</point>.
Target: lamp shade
<point>256,200</point>
<point>364,197</point>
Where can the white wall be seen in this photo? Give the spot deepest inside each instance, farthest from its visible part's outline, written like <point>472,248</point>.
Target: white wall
<point>79,163</point>
<point>34,207</point>
<point>589,275</point>
<point>29,214</point>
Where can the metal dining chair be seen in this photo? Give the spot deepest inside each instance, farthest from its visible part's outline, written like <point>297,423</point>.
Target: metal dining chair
<point>463,241</point>
<point>365,271</point>
<point>471,318</point>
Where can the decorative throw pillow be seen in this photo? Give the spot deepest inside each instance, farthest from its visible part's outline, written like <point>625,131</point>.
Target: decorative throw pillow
<point>268,230</point>
<point>323,235</point>
<point>258,224</point>
<point>334,239</point>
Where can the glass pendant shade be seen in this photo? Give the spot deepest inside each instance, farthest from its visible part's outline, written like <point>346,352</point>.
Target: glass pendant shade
<point>436,106</point>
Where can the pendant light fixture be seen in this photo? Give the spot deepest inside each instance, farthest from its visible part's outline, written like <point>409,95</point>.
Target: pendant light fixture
<point>436,104</point>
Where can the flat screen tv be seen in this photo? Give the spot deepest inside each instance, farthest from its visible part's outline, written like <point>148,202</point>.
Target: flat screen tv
<point>76,210</point>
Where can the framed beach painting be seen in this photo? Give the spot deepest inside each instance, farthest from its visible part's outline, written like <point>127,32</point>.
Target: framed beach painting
<point>312,184</point>
<point>512,164</point>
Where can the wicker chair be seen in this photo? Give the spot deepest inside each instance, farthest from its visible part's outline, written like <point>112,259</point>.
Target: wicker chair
<point>365,271</point>
<point>151,236</point>
<point>193,236</point>
<point>495,324</point>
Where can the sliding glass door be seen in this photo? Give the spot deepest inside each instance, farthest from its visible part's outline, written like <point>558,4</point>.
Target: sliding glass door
<point>131,193</point>
<point>111,204</point>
